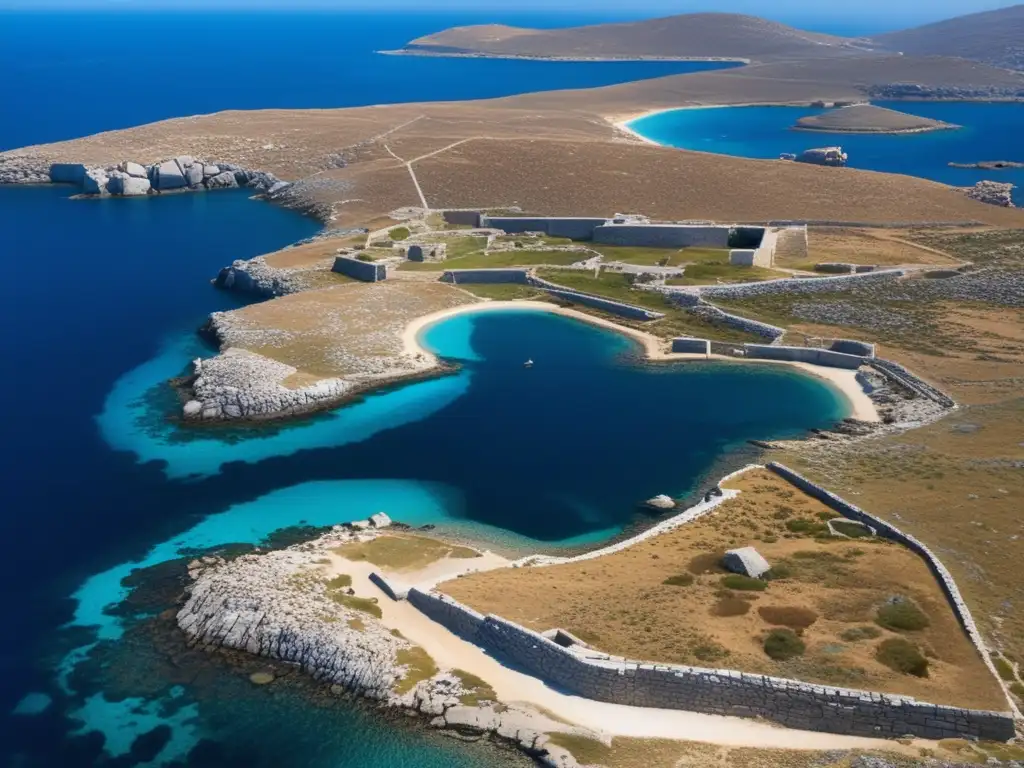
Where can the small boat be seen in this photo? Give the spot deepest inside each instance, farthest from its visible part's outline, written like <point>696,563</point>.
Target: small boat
<point>528,364</point>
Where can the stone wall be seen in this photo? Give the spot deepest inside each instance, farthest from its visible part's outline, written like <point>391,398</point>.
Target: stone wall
<point>367,271</point>
<point>912,382</point>
<point>812,355</point>
<point>457,276</point>
<point>662,235</point>
<point>597,302</point>
<point>743,257</point>
<point>462,218</point>
<point>713,691</point>
<point>713,314</point>
<point>891,532</point>
<point>800,285</point>
<point>691,346</point>
<point>853,347</point>
<point>576,228</point>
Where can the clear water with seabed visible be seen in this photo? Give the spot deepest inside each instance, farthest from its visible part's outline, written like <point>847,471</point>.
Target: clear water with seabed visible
<point>100,301</point>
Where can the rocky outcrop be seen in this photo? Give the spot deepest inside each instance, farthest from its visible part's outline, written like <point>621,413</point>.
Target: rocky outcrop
<point>991,192</point>
<point>131,179</point>
<point>279,605</point>
<point>238,384</point>
<point>830,156</point>
<point>255,276</point>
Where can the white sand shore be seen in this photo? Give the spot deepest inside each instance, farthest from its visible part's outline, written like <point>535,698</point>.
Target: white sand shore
<point>452,652</point>
<point>623,122</point>
<point>655,348</point>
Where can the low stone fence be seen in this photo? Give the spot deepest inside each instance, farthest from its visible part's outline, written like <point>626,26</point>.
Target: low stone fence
<point>891,532</point>
<point>367,271</point>
<point>686,345</point>
<point>799,285</point>
<point>912,382</point>
<point>392,590</point>
<point>713,691</point>
<point>597,302</point>
<point>812,355</point>
<point>853,347</point>
<point>459,276</point>
<point>575,228</point>
<point>714,314</point>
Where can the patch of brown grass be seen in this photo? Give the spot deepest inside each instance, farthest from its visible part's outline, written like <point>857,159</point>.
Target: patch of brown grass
<point>622,602</point>
<point>403,552</point>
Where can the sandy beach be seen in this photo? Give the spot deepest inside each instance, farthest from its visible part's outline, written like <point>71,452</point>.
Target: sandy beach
<point>655,348</point>
<point>623,122</point>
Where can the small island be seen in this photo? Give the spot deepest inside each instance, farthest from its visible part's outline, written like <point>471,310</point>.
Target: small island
<point>867,118</point>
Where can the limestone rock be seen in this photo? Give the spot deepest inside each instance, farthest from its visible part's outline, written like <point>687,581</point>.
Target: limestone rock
<point>94,182</point>
<point>121,183</point>
<point>380,520</point>
<point>661,502</point>
<point>223,180</point>
<point>194,175</point>
<point>831,156</point>
<point>67,173</point>
<point>261,678</point>
<point>991,192</point>
<point>168,175</point>
<point>133,169</point>
<point>210,170</point>
<point>746,561</point>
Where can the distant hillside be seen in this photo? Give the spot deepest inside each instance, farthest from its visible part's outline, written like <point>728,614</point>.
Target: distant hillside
<point>994,37</point>
<point>697,35</point>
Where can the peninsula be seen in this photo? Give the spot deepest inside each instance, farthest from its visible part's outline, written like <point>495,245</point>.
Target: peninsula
<point>882,628</point>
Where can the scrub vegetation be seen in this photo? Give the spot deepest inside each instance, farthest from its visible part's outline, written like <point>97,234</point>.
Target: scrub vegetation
<point>814,620</point>
<point>403,552</point>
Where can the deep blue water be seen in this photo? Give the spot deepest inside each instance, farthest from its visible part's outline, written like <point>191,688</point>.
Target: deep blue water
<point>73,74</point>
<point>988,132</point>
<point>99,304</point>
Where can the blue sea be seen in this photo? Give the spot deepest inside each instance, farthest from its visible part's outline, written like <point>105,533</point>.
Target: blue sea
<point>100,302</point>
<point>988,132</point>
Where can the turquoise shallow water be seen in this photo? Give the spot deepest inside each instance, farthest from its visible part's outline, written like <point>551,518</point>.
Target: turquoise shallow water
<point>554,456</point>
<point>989,132</point>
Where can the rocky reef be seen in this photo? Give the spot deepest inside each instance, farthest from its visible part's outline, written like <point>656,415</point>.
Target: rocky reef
<point>280,605</point>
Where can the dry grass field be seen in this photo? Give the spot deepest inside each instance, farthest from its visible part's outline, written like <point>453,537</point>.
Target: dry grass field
<point>351,330</point>
<point>866,246</point>
<point>403,552</point>
<point>668,599</point>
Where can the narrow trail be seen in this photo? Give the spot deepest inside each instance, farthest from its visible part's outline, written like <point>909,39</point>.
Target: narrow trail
<point>412,175</point>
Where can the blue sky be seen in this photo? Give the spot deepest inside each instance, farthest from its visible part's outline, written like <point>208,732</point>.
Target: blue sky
<point>886,12</point>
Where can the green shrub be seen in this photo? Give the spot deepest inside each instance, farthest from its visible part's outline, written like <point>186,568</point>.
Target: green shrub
<point>341,581</point>
<point>778,571</point>
<point>852,530</point>
<point>730,606</point>
<point>710,651</point>
<point>809,527</point>
<point>783,644</point>
<point>399,233</point>
<point>793,617</point>
<point>854,634</point>
<point>903,616</point>
<point>679,580</point>
<point>827,515</point>
<point>365,257</point>
<point>1017,689</point>
<point>902,656</point>
<point>743,583</point>
<point>1003,667</point>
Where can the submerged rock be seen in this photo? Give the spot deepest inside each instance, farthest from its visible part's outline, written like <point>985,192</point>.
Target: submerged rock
<point>661,502</point>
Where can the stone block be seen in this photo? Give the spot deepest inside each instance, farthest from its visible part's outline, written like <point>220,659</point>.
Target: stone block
<point>67,173</point>
<point>168,175</point>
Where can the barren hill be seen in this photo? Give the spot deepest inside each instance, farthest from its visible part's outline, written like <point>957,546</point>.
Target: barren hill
<point>995,37</point>
<point>696,35</point>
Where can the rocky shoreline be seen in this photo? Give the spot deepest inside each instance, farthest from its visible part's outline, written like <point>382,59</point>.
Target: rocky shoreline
<point>276,605</point>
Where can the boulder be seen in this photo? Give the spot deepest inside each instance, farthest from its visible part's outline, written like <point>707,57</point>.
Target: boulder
<point>831,156</point>
<point>192,409</point>
<point>135,187</point>
<point>380,520</point>
<point>184,161</point>
<point>992,193</point>
<point>278,186</point>
<point>168,175</point>
<point>94,182</point>
<point>661,502</point>
<point>133,169</point>
<point>67,173</point>
<point>222,180</point>
<point>210,170</point>
<point>194,175</point>
<point>746,561</point>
